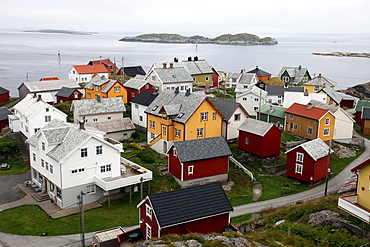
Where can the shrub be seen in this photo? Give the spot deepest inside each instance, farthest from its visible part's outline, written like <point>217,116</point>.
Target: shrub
<point>134,145</point>
<point>146,157</point>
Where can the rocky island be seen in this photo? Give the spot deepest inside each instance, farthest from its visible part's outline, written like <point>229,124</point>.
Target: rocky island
<point>361,91</point>
<point>225,39</point>
<point>344,54</point>
<point>61,31</point>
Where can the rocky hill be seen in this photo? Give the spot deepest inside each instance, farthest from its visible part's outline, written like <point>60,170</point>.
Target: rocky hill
<point>225,39</point>
<point>361,91</point>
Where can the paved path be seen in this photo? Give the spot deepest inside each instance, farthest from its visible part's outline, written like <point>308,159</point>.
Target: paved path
<point>9,191</point>
<point>9,240</point>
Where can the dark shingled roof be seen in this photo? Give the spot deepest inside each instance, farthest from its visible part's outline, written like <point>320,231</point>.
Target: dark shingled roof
<point>178,206</point>
<point>201,149</point>
<point>4,112</point>
<point>259,72</point>
<point>3,90</point>
<point>144,98</point>
<point>133,71</point>
<point>279,90</point>
<point>227,108</point>
<point>65,92</point>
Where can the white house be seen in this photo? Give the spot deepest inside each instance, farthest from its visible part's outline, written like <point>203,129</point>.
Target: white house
<point>67,159</point>
<point>97,110</point>
<point>32,113</point>
<point>240,81</point>
<point>302,98</point>
<point>84,73</point>
<point>252,99</point>
<point>343,128</point>
<point>138,107</point>
<point>275,94</point>
<point>170,78</point>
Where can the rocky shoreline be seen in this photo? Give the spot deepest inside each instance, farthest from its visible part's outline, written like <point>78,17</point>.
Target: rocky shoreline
<point>344,54</point>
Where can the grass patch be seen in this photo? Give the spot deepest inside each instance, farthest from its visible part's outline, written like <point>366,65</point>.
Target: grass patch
<point>17,165</point>
<point>286,138</point>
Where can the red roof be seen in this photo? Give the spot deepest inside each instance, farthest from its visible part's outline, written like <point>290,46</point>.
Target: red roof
<point>304,111</point>
<point>88,69</point>
<point>49,79</point>
<point>103,61</point>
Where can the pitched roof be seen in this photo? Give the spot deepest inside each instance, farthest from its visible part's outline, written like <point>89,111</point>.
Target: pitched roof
<point>88,69</point>
<point>253,90</point>
<point>3,91</point>
<point>65,92</point>
<point>272,110</point>
<point>320,81</point>
<point>99,81</point>
<point>115,125</point>
<point>4,112</point>
<point>133,71</point>
<point>319,104</point>
<point>302,110</point>
<point>259,72</point>
<point>189,204</point>
<point>295,72</point>
<point>192,67</point>
<point>255,127</point>
<point>226,107</point>
<point>135,83</point>
<point>214,147</point>
<point>336,97</point>
<point>106,62</point>
<point>363,103</point>
<point>316,148</point>
<point>279,90</point>
<point>188,104</point>
<point>144,98</point>
<point>173,75</point>
<point>92,106</point>
<point>41,86</point>
<point>360,165</point>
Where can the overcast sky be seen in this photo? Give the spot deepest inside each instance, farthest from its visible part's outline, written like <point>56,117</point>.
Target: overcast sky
<point>190,17</point>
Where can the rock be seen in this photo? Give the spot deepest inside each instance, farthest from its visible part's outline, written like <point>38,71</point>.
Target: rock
<point>343,152</point>
<point>193,243</point>
<point>323,218</point>
<point>279,222</point>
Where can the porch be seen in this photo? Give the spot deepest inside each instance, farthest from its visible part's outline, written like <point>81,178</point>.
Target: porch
<point>349,204</point>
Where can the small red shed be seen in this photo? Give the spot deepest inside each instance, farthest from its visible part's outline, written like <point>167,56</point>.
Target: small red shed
<point>136,86</point>
<point>198,161</point>
<point>4,95</point>
<point>68,94</point>
<point>259,138</point>
<point>309,161</point>
<point>199,209</point>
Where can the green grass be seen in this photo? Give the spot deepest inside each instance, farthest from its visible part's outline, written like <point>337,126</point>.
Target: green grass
<point>286,138</point>
<point>17,165</point>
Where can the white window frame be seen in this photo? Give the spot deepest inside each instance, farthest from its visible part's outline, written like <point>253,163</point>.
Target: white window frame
<point>148,231</point>
<point>214,115</point>
<point>34,157</point>
<point>295,126</point>
<point>327,121</point>
<point>190,170</point>
<point>328,132</point>
<point>117,89</point>
<point>203,116</point>
<point>148,211</point>
<point>309,131</point>
<point>237,117</point>
<point>177,132</point>
<point>84,152</point>
<point>299,168</point>
<point>90,189</point>
<point>99,149</point>
<point>200,132</point>
<point>152,124</point>
<point>47,119</point>
<point>247,140</point>
<point>299,157</point>
<point>51,168</point>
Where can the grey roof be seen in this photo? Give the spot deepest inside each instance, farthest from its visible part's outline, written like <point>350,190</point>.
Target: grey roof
<point>135,83</point>
<point>336,97</point>
<point>214,147</point>
<point>259,72</point>
<point>92,106</point>
<point>319,104</point>
<point>65,92</point>
<point>253,90</point>
<point>144,98</point>
<point>173,75</point>
<point>4,112</point>
<point>109,85</point>
<point>186,105</point>
<point>255,127</point>
<point>366,113</point>
<point>3,91</point>
<point>192,67</point>
<point>320,81</point>
<point>240,77</point>
<point>294,72</point>
<point>41,86</point>
<point>316,148</point>
<point>115,125</point>
<point>99,81</point>
<point>133,71</point>
<point>279,90</point>
<point>226,107</point>
<point>193,203</point>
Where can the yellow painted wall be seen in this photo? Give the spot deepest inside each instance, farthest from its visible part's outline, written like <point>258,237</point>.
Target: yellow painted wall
<point>157,124</point>
<point>311,88</point>
<point>202,78</point>
<point>364,181</point>
<point>122,93</point>
<point>330,126</point>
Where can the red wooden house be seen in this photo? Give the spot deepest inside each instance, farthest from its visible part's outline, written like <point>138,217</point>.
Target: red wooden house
<point>199,209</point>
<point>136,86</point>
<point>68,94</point>
<point>4,112</point>
<point>215,76</point>
<point>4,95</point>
<point>198,161</point>
<point>309,161</point>
<point>259,138</point>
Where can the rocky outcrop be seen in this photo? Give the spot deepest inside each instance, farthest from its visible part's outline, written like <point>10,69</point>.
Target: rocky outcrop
<point>344,54</point>
<point>361,91</point>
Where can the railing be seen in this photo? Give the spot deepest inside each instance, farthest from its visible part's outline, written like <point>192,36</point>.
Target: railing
<point>249,173</point>
<point>152,142</point>
<point>349,204</point>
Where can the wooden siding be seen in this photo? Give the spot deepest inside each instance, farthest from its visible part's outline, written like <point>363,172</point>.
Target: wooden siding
<point>364,181</point>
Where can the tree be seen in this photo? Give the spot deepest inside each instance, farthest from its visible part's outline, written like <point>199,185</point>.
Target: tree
<point>8,146</point>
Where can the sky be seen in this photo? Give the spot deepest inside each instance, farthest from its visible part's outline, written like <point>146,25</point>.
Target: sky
<point>189,17</point>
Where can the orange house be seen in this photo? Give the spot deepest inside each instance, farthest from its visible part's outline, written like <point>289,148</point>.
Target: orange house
<point>106,88</point>
<point>261,74</point>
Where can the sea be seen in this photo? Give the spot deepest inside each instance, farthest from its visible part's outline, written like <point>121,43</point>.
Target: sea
<point>29,56</point>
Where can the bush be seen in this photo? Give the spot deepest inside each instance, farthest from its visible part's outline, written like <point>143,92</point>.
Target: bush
<point>134,145</point>
<point>146,157</point>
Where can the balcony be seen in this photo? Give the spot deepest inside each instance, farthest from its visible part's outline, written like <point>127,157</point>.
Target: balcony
<point>349,204</point>
<point>131,173</point>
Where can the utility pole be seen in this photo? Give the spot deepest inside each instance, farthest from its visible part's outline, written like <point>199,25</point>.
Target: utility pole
<point>141,188</point>
<point>123,72</point>
<point>327,170</point>
<point>80,199</point>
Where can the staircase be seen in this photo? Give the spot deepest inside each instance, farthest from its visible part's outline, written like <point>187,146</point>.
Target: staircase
<point>41,197</point>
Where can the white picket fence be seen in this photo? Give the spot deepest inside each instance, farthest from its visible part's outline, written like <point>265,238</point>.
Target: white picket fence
<point>249,173</point>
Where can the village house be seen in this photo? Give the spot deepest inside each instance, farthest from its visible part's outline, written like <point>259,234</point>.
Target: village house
<point>67,159</point>
<point>358,204</point>
<point>97,110</point>
<point>4,95</point>
<point>259,138</point>
<point>109,65</point>
<point>31,114</point>
<point>201,72</point>
<point>233,116</point>
<point>361,104</point>
<point>133,71</point>
<point>176,116</point>
<point>365,117</point>
<point>4,113</point>
<point>199,209</point>
<point>118,129</point>
<point>261,74</point>
<point>66,94</point>
<point>138,106</point>
<point>334,98</point>
<point>294,75</point>
<point>272,114</point>
<point>191,165</point>
<point>309,161</point>
<point>315,84</point>
<point>275,94</point>
<point>302,98</point>
<point>348,101</point>
<point>84,73</point>
<point>135,86</point>
<point>105,88</point>
<point>252,99</point>
<point>310,122</point>
<point>241,80</point>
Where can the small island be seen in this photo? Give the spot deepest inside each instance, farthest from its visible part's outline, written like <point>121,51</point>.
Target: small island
<point>61,31</point>
<point>344,54</point>
<point>225,39</point>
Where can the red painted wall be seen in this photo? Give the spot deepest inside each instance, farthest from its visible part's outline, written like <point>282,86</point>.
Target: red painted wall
<point>347,103</point>
<point>269,145</point>
<point>214,78</point>
<point>132,93</point>
<point>70,98</point>
<point>359,119</point>
<point>174,165</point>
<point>4,97</point>
<point>144,219</point>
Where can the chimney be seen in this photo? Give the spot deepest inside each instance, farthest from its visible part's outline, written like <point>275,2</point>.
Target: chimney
<point>187,92</point>
<point>309,106</point>
<point>305,93</point>
<point>91,63</point>
<point>271,110</point>
<point>82,124</point>
<point>39,97</point>
<point>299,67</point>
<point>189,59</point>
<point>171,65</point>
<point>177,90</point>
<point>196,58</point>
<point>34,95</point>
<point>98,98</point>
<point>175,59</point>
<point>165,65</point>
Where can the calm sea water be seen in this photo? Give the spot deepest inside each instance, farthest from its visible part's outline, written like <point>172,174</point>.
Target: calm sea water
<point>36,55</point>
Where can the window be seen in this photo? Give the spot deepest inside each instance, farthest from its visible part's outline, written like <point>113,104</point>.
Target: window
<point>148,211</point>
<point>47,166</point>
<point>109,118</point>
<point>286,78</point>
<point>255,108</point>
<point>26,128</point>
<point>59,193</point>
<point>148,232</point>
<point>295,126</point>
<point>182,88</point>
<point>78,170</point>
<point>246,140</point>
<point>95,120</point>
<point>326,132</point>
<point>200,132</point>
<point>97,88</point>
<point>233,80</point>
<point>317,88</point>
<point>290,116</point>
<point>153,77</point>
<point>99,150</point>
<point>245,99</point>
<point>43,146</point>
<point>255,99</point>
<point>214,115</point>
<point>327,121</point>
<point>83,152</point>
<point>34,157</point>
<point>51,169</point>
<point>117,89</point>
<point>105,168</point>
<point>146,86</point>
<point>42,163</point>
<point>190,170</point>
<point>164,130</point>
<point>177,132</point>
<point>152,124</point>
<point>90,189</point>
<point>47,109</point>
<point>203,116</point>
<point>136,106</point>
<point>141,118</point>
<point>309,130</point>
<point>133,94</point>
<point>47,119</point>
<point>299,157</point>
<point>89,95</point>
<point>152,135</point>
<point>298,168</point>
<point>36,129</point>
<point>237,117</point>
<point>207,78</point>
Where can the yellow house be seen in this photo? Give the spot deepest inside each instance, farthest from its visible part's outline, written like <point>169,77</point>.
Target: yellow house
<point>176,116</point>
<point>106,88</point>
<point>358,204</point>
<point>316,84</point>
